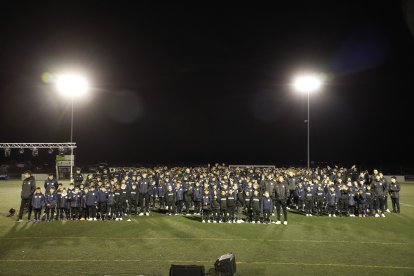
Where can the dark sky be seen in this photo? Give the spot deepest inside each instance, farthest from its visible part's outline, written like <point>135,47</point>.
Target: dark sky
<point>180,82</point>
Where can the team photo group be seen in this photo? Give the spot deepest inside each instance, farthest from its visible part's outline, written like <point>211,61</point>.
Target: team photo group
<point>216,194</point>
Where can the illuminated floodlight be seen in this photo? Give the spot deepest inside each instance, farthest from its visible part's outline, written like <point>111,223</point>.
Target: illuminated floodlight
<point>72,85</point>
<point>307,83</point>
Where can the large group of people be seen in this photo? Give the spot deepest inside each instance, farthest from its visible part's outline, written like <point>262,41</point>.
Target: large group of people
<point>217,194</point>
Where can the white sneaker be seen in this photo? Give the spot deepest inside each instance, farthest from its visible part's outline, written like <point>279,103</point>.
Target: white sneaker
<point>285,222</point>
<point>253,222</point>
<point>220,221</point>
<point>120,218</point>
<point>214,221</point>
<point>310,215</point>
<point>334,215</point>
<point>208,221</point>
<point>273,214</point>
<point>388,210</point>
<point>287,208</point>
<point>116,218</point>
<point>89,219</point>
<point>278,222</point>
<point>330,215</point>
<point>382,215</point>
<point>203,221</point>
<point>141,214</point>
<point>129,220</point>
<point>188,214</point>
<point>377,215</point>
<point>94,219</point>
<point>147,213</point>
<point>229,221</point>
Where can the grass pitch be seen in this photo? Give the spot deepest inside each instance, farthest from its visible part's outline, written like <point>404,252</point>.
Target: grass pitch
<point>149,245</point>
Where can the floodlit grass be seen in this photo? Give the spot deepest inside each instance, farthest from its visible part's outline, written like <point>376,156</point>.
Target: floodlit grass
<point>149,245</point>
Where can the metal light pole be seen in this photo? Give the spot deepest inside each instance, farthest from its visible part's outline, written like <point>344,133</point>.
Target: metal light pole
<point>307,83</point>
<point>72,85</point>
<point>308,147</point>
<point>71,141</point>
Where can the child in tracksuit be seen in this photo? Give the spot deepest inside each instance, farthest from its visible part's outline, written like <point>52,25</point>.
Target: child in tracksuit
<point>247,207</point>
<point>197,198</point>
<point>179,197</point>
<point>351,202</point>
<point>223,207</point>
<point>255,206</point>
<point>133,200</point>
<point>206,205</point>
<point>361,200</point>
<point>215,206</point>
<point>91,203</point>
<point>110,205</point>
<point>267,207</point>
<point>231,206</point>
<point>75,203</point>
<point>38,202</point>
<point>118,203</point>
<point>343,201</point>
<point>102,202</point>
<point>170,200</point>
<point>369,201</point>
<point>51,203</point>
<point>239,205</point>
<point>300,196</point>
<point>332,199</point>
<point>62,204</point>
<point>308,201</point>
<point>320,200</point>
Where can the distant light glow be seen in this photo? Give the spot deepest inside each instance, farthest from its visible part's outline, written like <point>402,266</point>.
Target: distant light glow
<point>307,83</point>
<point>72,85</point>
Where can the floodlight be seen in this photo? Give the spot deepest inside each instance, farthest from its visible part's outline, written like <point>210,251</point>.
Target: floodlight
<point>307,83</point>
<point>62,151</point>
<point>21,150</point>
<point>7,152</point>
<point>50,150</point>
<point>35,152</point>
<point>72,85</point>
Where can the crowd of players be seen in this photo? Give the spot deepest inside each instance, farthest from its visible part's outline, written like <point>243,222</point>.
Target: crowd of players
<point>218,194</point>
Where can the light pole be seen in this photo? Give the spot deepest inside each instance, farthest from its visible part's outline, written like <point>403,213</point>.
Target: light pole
<point>71,85</point>
<point>307,83</point>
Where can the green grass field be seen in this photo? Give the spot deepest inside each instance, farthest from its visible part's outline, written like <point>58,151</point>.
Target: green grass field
<point>149,245</point>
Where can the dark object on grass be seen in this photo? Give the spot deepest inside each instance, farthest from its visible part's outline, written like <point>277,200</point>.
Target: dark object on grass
<point>225,265</point>
<point>12,211</point>
<point>187,270</point>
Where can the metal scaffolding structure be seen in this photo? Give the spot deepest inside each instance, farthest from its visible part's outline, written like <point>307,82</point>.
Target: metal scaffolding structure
<point>37,145</point>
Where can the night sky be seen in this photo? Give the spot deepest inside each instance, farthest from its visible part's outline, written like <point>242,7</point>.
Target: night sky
<point>181,82</point>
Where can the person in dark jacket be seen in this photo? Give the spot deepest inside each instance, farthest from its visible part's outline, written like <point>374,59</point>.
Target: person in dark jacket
<point>320,199</point>
<point>197,197</point>
<point>170,200</point>
<point>379,191</point>
<point>343,201</point>
<point>267,207</point>
<point>179,197</point>
<point>75,203</point>
<point>361,202</point>
<point>281,196</point>
<point>28,189</point>
<point>351,202</point>
<point>38,202</point>
<point>91,203</point>
<point>292,184</point>
<point>215,206</point>
<point>394,190</point>
<point>206,207</point>
<point>62,205</point>
<point>143,187</point>
<point>49,182</point>
<point>77,177</point>
<point>256,206</point>
<point>309,198</point>
<point>332,199</point>
<point>110,205</point>
<point>50,204</point>
<point>133,199</point>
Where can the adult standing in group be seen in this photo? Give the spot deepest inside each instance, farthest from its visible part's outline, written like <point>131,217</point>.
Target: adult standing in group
<point>281,197</point>
<point>28,189</point>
